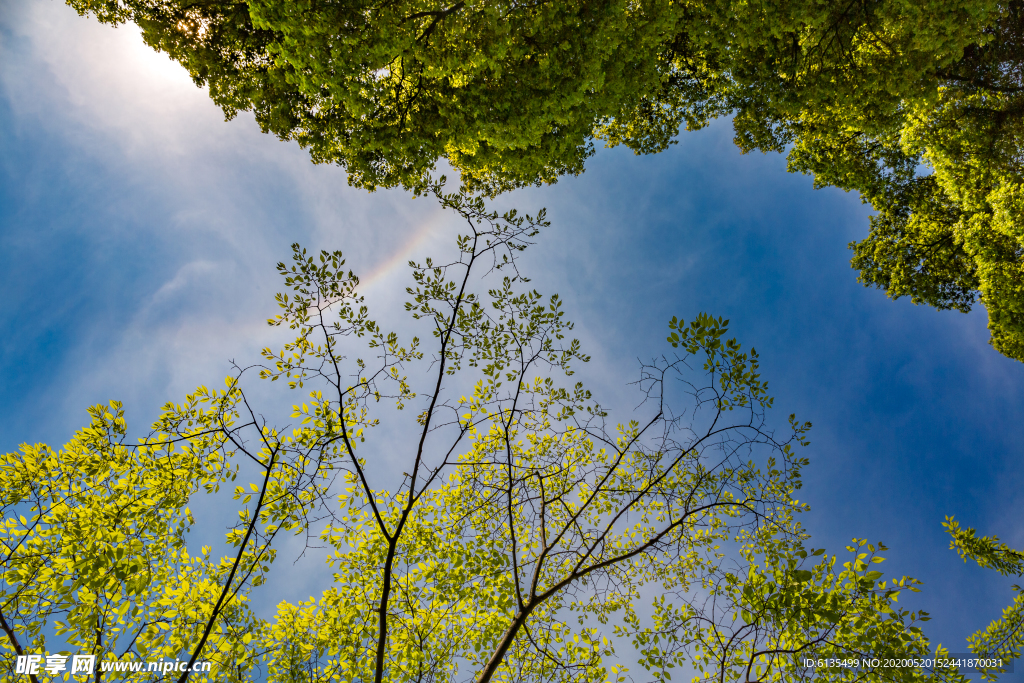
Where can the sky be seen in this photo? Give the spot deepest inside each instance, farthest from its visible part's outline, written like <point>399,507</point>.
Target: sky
<point>139,233</point>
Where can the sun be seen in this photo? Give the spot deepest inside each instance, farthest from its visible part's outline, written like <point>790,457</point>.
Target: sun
<point>156,65</point>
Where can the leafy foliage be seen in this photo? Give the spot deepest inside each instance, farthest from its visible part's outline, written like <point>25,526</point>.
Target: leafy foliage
<point>1004,638</point>
<point>765,622</point>
<point>93,538</point>
<point>94,545</point>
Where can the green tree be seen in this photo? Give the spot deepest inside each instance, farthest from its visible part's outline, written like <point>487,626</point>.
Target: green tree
<point>518,542</point>
<point>94,551</point>
<point>943,174</point>
<point>863,94</point>
<point>1004,638</point>
<point>523,522</point>
<point>513,94</point>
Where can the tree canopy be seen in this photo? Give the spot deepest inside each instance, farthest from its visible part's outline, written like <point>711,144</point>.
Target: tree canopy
<point>915,105</point>
<point>523,540</point>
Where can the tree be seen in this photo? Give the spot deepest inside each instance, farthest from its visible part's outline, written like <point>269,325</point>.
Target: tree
<point>94,551</point>
<point>862,94</point>
<point>1003,640</point>
<point>518,542</point>
<point>513,95</point>
<point>944,176</point>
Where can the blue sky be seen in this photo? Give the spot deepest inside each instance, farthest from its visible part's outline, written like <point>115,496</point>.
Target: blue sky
<point>139,233</point>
